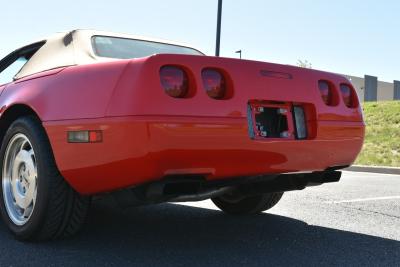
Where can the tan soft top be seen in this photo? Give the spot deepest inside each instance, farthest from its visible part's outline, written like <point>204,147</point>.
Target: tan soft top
<point>72,48</point>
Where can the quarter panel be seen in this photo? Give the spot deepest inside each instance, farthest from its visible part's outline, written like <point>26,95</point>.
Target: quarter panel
<point>73,93</point>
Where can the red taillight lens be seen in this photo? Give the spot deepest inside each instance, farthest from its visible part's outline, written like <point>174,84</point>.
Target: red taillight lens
<point>347,95</point>
<point>174,80</point>
<point>214,83</point>
<point>326,92</point>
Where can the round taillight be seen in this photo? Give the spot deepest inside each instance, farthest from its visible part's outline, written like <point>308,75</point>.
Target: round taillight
<point>326,92</point>
<point>174,80</point>
<point>347,95</point>
<point>214,83</point>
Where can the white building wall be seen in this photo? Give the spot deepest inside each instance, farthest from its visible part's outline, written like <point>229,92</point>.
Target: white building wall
<point>385,89</point>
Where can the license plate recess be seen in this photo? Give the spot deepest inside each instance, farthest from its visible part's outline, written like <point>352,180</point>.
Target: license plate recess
<point>271,120</point>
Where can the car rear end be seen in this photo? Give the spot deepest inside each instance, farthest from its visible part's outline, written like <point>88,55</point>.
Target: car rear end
<point>216,117</point>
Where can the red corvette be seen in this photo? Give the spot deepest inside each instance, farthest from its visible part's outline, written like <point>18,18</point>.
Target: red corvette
<point>90,113</point>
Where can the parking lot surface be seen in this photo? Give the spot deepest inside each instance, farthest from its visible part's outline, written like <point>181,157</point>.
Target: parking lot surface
<point>354,222</point>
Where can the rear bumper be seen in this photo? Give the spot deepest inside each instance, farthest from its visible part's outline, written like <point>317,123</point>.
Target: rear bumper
<point>139,149</point>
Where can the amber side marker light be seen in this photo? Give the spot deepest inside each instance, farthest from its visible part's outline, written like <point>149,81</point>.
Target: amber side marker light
<point>175,81</point>
<point>214,83</point>
<point>85,136</point>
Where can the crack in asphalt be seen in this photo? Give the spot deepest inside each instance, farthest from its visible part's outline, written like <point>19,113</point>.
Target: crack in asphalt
<point>370,211</point>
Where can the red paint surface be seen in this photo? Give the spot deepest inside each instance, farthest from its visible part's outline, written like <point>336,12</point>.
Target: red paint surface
<point>148,134</point>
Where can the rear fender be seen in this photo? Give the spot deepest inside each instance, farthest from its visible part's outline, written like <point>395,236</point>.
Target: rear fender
<point>69,93</point>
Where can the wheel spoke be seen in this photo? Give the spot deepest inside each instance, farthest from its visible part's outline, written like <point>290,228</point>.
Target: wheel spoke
<point>34,197</point>
<point>32,155</point>
<point>23,145</point>
<point>28,211</point>
<point>29,196</point>
<point>19,200</point>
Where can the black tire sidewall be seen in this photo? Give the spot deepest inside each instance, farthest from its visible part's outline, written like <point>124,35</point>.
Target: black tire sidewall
<point>245,206</point>
<point>32,129</point>
<point>249,205</point>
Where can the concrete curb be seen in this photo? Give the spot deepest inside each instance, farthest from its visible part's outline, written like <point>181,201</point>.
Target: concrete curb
<point>385,170</point>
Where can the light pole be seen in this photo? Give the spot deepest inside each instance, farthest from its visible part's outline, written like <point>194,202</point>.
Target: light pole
<point>240,53</point>
<point>218,28</point>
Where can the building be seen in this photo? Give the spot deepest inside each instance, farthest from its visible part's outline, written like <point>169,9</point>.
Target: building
<point>370,89</point>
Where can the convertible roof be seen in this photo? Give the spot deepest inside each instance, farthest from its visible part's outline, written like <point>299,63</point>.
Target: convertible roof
<point>72,48</point>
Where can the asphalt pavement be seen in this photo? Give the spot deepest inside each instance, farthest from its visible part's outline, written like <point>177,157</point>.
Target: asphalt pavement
<point>355,222</point>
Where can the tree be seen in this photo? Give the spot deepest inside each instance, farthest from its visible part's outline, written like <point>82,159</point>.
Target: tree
<point>304,64</point>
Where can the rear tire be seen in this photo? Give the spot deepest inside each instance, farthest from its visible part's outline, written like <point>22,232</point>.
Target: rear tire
<point>241,205</point>
<point>36,203</point>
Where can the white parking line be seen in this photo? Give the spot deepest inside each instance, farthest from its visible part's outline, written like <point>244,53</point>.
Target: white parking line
<point>363,199</point>
<point>205,204</point>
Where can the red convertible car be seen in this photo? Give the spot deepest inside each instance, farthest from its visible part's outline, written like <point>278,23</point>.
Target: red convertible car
<point>90,113</point>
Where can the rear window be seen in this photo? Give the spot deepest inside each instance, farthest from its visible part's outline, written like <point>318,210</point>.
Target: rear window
<point>123,48</point>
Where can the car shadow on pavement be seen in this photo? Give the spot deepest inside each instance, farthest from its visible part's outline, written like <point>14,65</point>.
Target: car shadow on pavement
<point>177,235</point>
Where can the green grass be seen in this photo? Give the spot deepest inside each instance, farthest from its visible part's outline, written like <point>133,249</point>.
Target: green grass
<point>382,138</point>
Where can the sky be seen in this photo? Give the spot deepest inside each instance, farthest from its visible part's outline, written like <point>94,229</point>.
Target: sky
<point>351,37</point>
